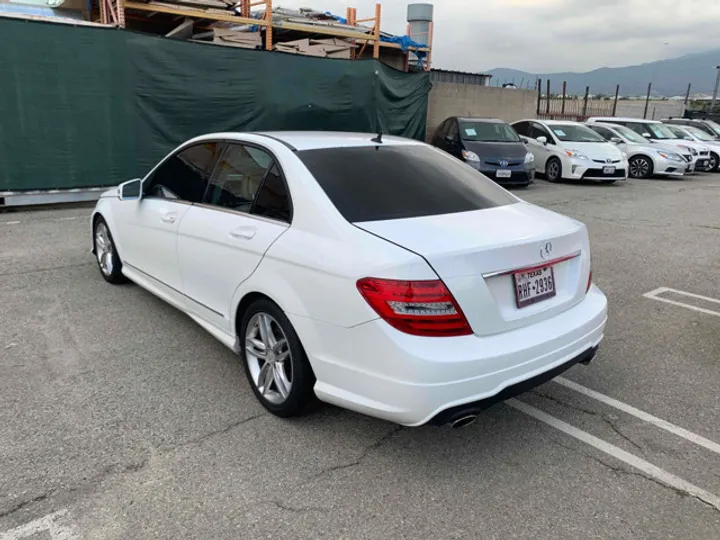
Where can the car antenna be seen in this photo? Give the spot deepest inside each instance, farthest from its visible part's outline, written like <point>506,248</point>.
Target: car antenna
<point>378,139</point>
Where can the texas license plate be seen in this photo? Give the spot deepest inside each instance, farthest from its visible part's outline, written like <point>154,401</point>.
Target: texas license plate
<point>534,286</point>
<point>503,173</point>
<point>608,170</point>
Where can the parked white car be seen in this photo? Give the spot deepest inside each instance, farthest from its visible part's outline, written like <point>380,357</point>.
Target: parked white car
<point>656,131</point>
<point>571,151</point>
<point>645,157</point>
<point>377,273</point>
<point>692,133</point>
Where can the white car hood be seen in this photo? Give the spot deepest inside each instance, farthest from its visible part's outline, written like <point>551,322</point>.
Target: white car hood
<point>689,144</point>
<point>599,151</point>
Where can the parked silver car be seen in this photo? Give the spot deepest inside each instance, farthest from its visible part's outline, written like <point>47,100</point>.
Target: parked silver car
<point>646,158</point>
<point>692,133</point>
<point>658,132</point>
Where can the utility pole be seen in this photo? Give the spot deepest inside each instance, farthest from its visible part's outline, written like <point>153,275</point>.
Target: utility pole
<point>647,100</point>
<point>715,93</point>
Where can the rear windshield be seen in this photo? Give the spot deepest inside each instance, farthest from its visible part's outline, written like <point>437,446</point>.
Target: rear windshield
<point>376,183</point>
<point>487,132</point>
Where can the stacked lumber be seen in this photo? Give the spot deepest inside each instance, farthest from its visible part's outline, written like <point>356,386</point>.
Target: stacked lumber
<point>324,48</point>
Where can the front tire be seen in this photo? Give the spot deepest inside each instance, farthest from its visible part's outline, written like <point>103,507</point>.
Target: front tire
<point>106,253</point>
<point>275,362</point>
<point>640,167</point>
<point>714,162</point>
<point>553,170</point>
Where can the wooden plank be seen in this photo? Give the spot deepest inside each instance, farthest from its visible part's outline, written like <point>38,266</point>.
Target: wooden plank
<point>196,13</point>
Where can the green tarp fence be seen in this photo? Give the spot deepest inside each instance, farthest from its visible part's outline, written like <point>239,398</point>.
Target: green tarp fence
<point>84,106</point>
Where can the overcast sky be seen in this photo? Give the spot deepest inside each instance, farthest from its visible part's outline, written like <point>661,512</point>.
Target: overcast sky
<point>544,36</point>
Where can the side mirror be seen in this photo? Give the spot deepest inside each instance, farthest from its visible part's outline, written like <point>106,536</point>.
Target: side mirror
<point>131,190</point>
<point>542,140</point>
<point>646,135</point>
<point>615,140</point>
<point>523,139</point>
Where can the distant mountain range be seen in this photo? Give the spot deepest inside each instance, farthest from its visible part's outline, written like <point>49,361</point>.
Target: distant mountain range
<point>669,77</point>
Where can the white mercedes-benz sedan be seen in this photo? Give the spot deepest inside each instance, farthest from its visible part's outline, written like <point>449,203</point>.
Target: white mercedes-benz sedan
<point>376,273</point>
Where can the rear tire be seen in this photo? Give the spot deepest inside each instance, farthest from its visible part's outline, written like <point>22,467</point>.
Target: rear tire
<point>276,365</point>
<point>640,167</point>
<point>553,170</point>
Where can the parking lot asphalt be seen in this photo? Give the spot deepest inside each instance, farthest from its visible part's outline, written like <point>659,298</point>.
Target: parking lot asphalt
<point>120,418</point>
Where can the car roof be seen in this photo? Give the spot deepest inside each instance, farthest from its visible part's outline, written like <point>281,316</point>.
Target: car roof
<point>315,140</point>
<point>480,119</point>
<point>606,125</point>
<point>625,119</point>
<point>559,122</point>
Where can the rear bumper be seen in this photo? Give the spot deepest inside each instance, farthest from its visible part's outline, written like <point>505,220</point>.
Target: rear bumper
<point>410,380</point>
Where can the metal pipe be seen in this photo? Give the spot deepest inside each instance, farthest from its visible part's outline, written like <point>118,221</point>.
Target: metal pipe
<point>617,95</point>
<point>715,92</point>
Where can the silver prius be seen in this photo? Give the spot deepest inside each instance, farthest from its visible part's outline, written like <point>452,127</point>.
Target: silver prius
<point>646,157</point>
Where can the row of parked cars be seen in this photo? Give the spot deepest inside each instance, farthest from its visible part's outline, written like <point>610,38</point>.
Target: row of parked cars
<point>604,149</point>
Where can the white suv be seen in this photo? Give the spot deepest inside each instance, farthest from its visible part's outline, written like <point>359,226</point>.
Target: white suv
<point>571,151</point>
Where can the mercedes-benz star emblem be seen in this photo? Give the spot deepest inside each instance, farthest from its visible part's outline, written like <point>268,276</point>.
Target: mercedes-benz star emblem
<point>503,163</point>
<point>546,251</point>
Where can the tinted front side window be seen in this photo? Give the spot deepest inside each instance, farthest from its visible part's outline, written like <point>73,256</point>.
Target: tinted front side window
<point>185,175</point>
<point>374,183</point>
<point>238,177</point>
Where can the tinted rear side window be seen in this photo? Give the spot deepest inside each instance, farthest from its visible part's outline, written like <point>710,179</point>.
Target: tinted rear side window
<point>372,183</point>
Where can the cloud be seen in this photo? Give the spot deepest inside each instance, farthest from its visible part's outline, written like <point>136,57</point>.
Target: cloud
<point>552,35</point>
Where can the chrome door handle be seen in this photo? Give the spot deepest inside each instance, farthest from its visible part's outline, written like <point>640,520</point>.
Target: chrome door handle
<point>244,233</point>
<point>168,217</point>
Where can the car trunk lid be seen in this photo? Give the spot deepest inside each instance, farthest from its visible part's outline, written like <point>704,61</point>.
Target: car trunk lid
<point>477,254</point>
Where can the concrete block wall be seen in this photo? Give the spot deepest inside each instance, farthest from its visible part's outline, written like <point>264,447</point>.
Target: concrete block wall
<point>452,99</point>
<point>657,110</point>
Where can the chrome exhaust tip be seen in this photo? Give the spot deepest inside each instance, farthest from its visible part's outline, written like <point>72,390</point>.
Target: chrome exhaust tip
<point>463,421</point>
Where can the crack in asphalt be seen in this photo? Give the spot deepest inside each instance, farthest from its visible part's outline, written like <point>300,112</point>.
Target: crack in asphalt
<point>363,455</point>
<point>22,504</point>
<point>115,470</point>
<point>622,470</point>
<point>202,438</point>
<point>297,510</point>
<point>41,270</point>
<point>601,416</point>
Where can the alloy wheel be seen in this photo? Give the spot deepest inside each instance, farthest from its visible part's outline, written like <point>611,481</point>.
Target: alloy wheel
<point>269,358</point>
<point>713,163</point>
<point>639,168</point>
<point>104,249</point>
<point>553,171</point>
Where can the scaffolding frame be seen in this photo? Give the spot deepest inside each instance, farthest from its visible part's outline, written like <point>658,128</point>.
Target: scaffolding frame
<point>113,12</point>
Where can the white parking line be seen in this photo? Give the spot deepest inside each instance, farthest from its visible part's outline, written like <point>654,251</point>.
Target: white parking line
<point>654,295</point>
<point>653,472</point>
<point>10,222</point>
<point>47,523</point>
<point>642,415</point>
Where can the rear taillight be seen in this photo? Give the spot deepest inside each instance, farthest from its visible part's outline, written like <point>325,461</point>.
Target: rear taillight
<point>420,308</point>
<point>589,283</point>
